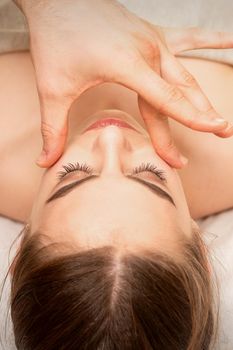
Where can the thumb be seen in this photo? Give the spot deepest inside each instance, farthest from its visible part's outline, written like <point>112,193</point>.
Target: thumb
<point>160,134</point>
<point>54,130</point>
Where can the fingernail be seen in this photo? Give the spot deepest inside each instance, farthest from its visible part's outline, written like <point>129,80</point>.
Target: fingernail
<point>184,160</point>
<point>229,128</point>
<point>218,121</point>
<point>42,157</point>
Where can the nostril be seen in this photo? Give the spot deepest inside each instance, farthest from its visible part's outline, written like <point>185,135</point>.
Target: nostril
<point>111,135</point>
<point>112,139</point>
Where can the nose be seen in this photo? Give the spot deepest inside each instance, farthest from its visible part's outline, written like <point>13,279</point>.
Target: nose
<point>112,146</point>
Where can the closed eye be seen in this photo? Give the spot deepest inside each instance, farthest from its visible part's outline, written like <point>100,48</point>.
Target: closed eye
<point>148,167</point>
<point>68,188</point>
<point>144,167</point>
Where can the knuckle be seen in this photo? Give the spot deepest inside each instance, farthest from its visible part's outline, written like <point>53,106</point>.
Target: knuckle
<point>192,122</point>
<point>150,52</point>
<point>48,131</point>
<point>187,78</point>
<point>169,146</point>
<point>166,148</point>
<point>172,95</point>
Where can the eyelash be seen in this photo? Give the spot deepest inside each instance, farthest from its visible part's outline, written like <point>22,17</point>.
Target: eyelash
<point>70,167</point>
<point>151,168</point>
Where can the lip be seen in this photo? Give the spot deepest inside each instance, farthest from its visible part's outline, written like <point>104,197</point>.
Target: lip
<point>102,123</point>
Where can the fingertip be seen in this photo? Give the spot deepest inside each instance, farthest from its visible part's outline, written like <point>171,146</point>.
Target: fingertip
<point>180,162</point>
<point>46,160</point>
<point>43,163</point>
<point>176,161</point>
<point>218,123</point>
<point>228,132</point>
<point>42,158</point>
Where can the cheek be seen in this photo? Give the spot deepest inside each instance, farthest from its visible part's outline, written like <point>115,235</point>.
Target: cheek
<point>183,212</point>
<point>176,186</point>
<point>45,187</point>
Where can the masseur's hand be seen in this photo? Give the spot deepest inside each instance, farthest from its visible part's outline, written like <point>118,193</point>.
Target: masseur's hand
<point>77,44</point>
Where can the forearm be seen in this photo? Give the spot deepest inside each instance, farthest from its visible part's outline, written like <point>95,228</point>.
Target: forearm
<point>18,3</point>
<point>37,10</point>
<point>30,7</point>
<point>23,4</point>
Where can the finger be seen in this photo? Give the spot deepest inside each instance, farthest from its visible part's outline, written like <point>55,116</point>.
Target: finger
<point>54,129</point>
<point>175,73</point>
<point>179,39</point>
<point>168,100</point>
<point>228,132</point>
<point>160,135</point>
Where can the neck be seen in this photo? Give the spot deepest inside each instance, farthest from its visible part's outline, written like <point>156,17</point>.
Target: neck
<point>105,96</point>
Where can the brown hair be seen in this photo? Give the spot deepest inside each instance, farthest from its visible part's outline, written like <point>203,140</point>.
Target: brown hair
<point>104,299</point>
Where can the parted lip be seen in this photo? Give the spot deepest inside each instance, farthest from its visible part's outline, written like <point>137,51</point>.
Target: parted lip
<point>102,123</point>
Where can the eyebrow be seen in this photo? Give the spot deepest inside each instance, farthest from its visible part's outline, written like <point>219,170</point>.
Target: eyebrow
<point>152,187</point>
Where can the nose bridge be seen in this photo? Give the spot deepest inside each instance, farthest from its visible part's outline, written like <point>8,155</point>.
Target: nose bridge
<point>112,144</point>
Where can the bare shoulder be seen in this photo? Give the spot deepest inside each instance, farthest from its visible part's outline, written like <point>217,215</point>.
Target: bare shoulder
<point>208,179</point>
<point>19,121</point>
<point>18,96</point>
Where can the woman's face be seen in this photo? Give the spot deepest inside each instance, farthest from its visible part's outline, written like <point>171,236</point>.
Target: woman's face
<point>121,194</point>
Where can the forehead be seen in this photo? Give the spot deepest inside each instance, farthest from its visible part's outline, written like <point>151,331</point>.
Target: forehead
<point>111,211</point>
<point>114,193</point>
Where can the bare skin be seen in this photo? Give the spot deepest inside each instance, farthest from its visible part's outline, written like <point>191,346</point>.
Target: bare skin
<point>207,179</point>
<point>144,61</point>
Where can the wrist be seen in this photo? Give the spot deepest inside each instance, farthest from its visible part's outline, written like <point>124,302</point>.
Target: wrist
<point>28,6</point>
<point>18,3</point>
